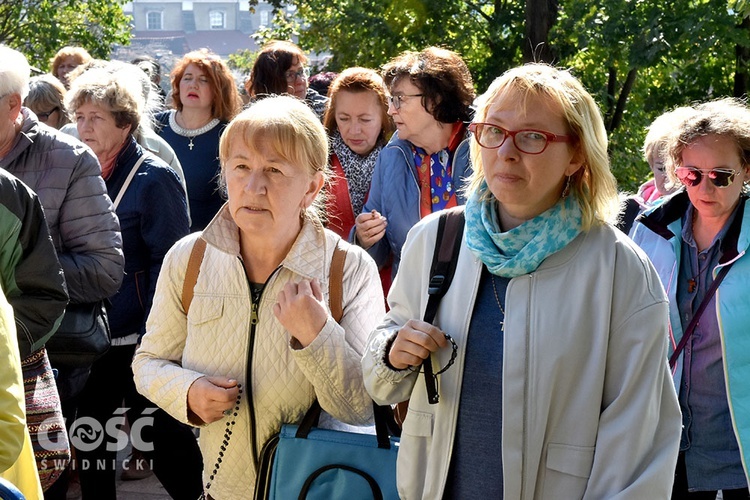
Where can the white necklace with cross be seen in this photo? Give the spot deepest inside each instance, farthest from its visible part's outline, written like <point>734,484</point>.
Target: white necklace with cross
<point>190,132</point>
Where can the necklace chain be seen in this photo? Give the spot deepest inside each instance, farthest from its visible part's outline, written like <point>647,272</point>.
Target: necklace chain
<point>499,304</point>
<point>693,282</point>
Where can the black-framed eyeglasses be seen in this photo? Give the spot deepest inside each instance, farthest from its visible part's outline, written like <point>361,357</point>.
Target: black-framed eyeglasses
<point>719,177</point>
<point>43,117</point>
<point>529,141</point>
<point>291,76</point>
<point>397,99</point>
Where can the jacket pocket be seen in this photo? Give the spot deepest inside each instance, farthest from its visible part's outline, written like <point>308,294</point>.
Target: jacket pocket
<point>204,309</point>
<point>413,464</point>
<point>418,424</point>
<point>568,468</point>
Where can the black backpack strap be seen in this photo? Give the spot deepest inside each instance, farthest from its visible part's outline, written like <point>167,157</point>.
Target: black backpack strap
<point>444,260</point>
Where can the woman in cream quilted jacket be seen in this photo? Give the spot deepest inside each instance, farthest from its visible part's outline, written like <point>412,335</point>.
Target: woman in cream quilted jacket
<point>258,343</point>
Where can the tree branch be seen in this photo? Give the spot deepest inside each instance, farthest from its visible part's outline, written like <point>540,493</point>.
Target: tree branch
<point>610,104</point>
<point>478,9</point>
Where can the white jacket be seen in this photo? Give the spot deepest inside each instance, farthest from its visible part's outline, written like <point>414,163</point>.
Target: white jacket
<point>589,409</point>
<point>216,338</point>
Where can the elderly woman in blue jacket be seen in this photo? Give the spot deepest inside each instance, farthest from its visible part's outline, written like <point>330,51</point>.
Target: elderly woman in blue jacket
<point>423,167</point>
<point>150,203</point>
<point>690,238</point>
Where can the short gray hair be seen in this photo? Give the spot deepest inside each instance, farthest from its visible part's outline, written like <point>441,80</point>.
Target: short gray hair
<point>15,72</point>
<point>113,91</point>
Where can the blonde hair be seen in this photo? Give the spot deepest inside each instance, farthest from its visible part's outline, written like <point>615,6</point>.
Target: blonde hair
<point>80,55</point>
<point>593,184</point>
<point>46,92</point>
<point>290,129</point>
<point>660,130</point>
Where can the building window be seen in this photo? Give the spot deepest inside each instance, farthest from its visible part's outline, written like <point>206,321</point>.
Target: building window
<point>216,19</point>
<point>264,18</point>
<point>153,20</point>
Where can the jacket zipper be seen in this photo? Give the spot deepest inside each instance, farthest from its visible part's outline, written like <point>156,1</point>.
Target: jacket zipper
<point>254,320</point>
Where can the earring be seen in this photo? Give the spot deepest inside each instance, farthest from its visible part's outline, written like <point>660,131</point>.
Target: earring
<point>566,191</point>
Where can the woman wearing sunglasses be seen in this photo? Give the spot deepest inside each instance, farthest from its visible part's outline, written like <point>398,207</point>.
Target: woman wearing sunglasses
<point>46,99</point>
<point>560,387</point>
<point>690,238</point>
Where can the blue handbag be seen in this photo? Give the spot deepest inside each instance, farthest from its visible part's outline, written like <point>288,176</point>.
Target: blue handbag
<point>306,462</point>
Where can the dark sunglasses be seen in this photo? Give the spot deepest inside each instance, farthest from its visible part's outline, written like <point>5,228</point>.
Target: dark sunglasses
<point>45,116</point>
<point>720,177</point>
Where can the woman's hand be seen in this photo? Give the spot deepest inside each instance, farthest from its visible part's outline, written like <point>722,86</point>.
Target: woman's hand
<point>209,397</point>
<point>370,228</point>
<point>414,343</point>
<point>301,310</point>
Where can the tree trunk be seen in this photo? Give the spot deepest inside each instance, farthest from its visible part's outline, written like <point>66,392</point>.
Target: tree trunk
<point>541,15</point>
<point>742,53</point>
<point>624,94</point>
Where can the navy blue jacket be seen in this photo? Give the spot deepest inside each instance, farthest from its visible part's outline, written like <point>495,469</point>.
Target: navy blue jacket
<point>153,216</point>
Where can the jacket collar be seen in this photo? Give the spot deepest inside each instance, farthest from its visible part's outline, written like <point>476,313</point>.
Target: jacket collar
<point>661,220</point>
<point>304,258</point>
<point>670,210</point>
<point>125,160</point>
<point>24,138</point>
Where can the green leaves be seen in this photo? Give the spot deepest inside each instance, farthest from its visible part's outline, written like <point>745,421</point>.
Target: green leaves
<point>39,28</point>
<point>639,58</point>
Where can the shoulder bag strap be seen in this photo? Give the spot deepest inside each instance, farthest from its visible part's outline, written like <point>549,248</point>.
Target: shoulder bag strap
<point>444,260</point>
<point>191,274</point>
<point>129,178</point>
<point>336,281</point>
<point>694,322</point>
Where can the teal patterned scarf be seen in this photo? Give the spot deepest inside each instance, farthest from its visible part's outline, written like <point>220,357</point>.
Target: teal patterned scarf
<point>522,249</point>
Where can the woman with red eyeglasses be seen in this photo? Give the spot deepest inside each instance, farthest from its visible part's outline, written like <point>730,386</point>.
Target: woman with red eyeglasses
<point>697,239</point>
<point>560,387</point>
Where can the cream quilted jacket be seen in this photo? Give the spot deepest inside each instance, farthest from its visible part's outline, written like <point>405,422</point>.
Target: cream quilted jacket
<point>216,338</point>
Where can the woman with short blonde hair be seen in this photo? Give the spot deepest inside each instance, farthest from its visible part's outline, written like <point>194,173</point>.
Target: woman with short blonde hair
<point>257,344</point>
